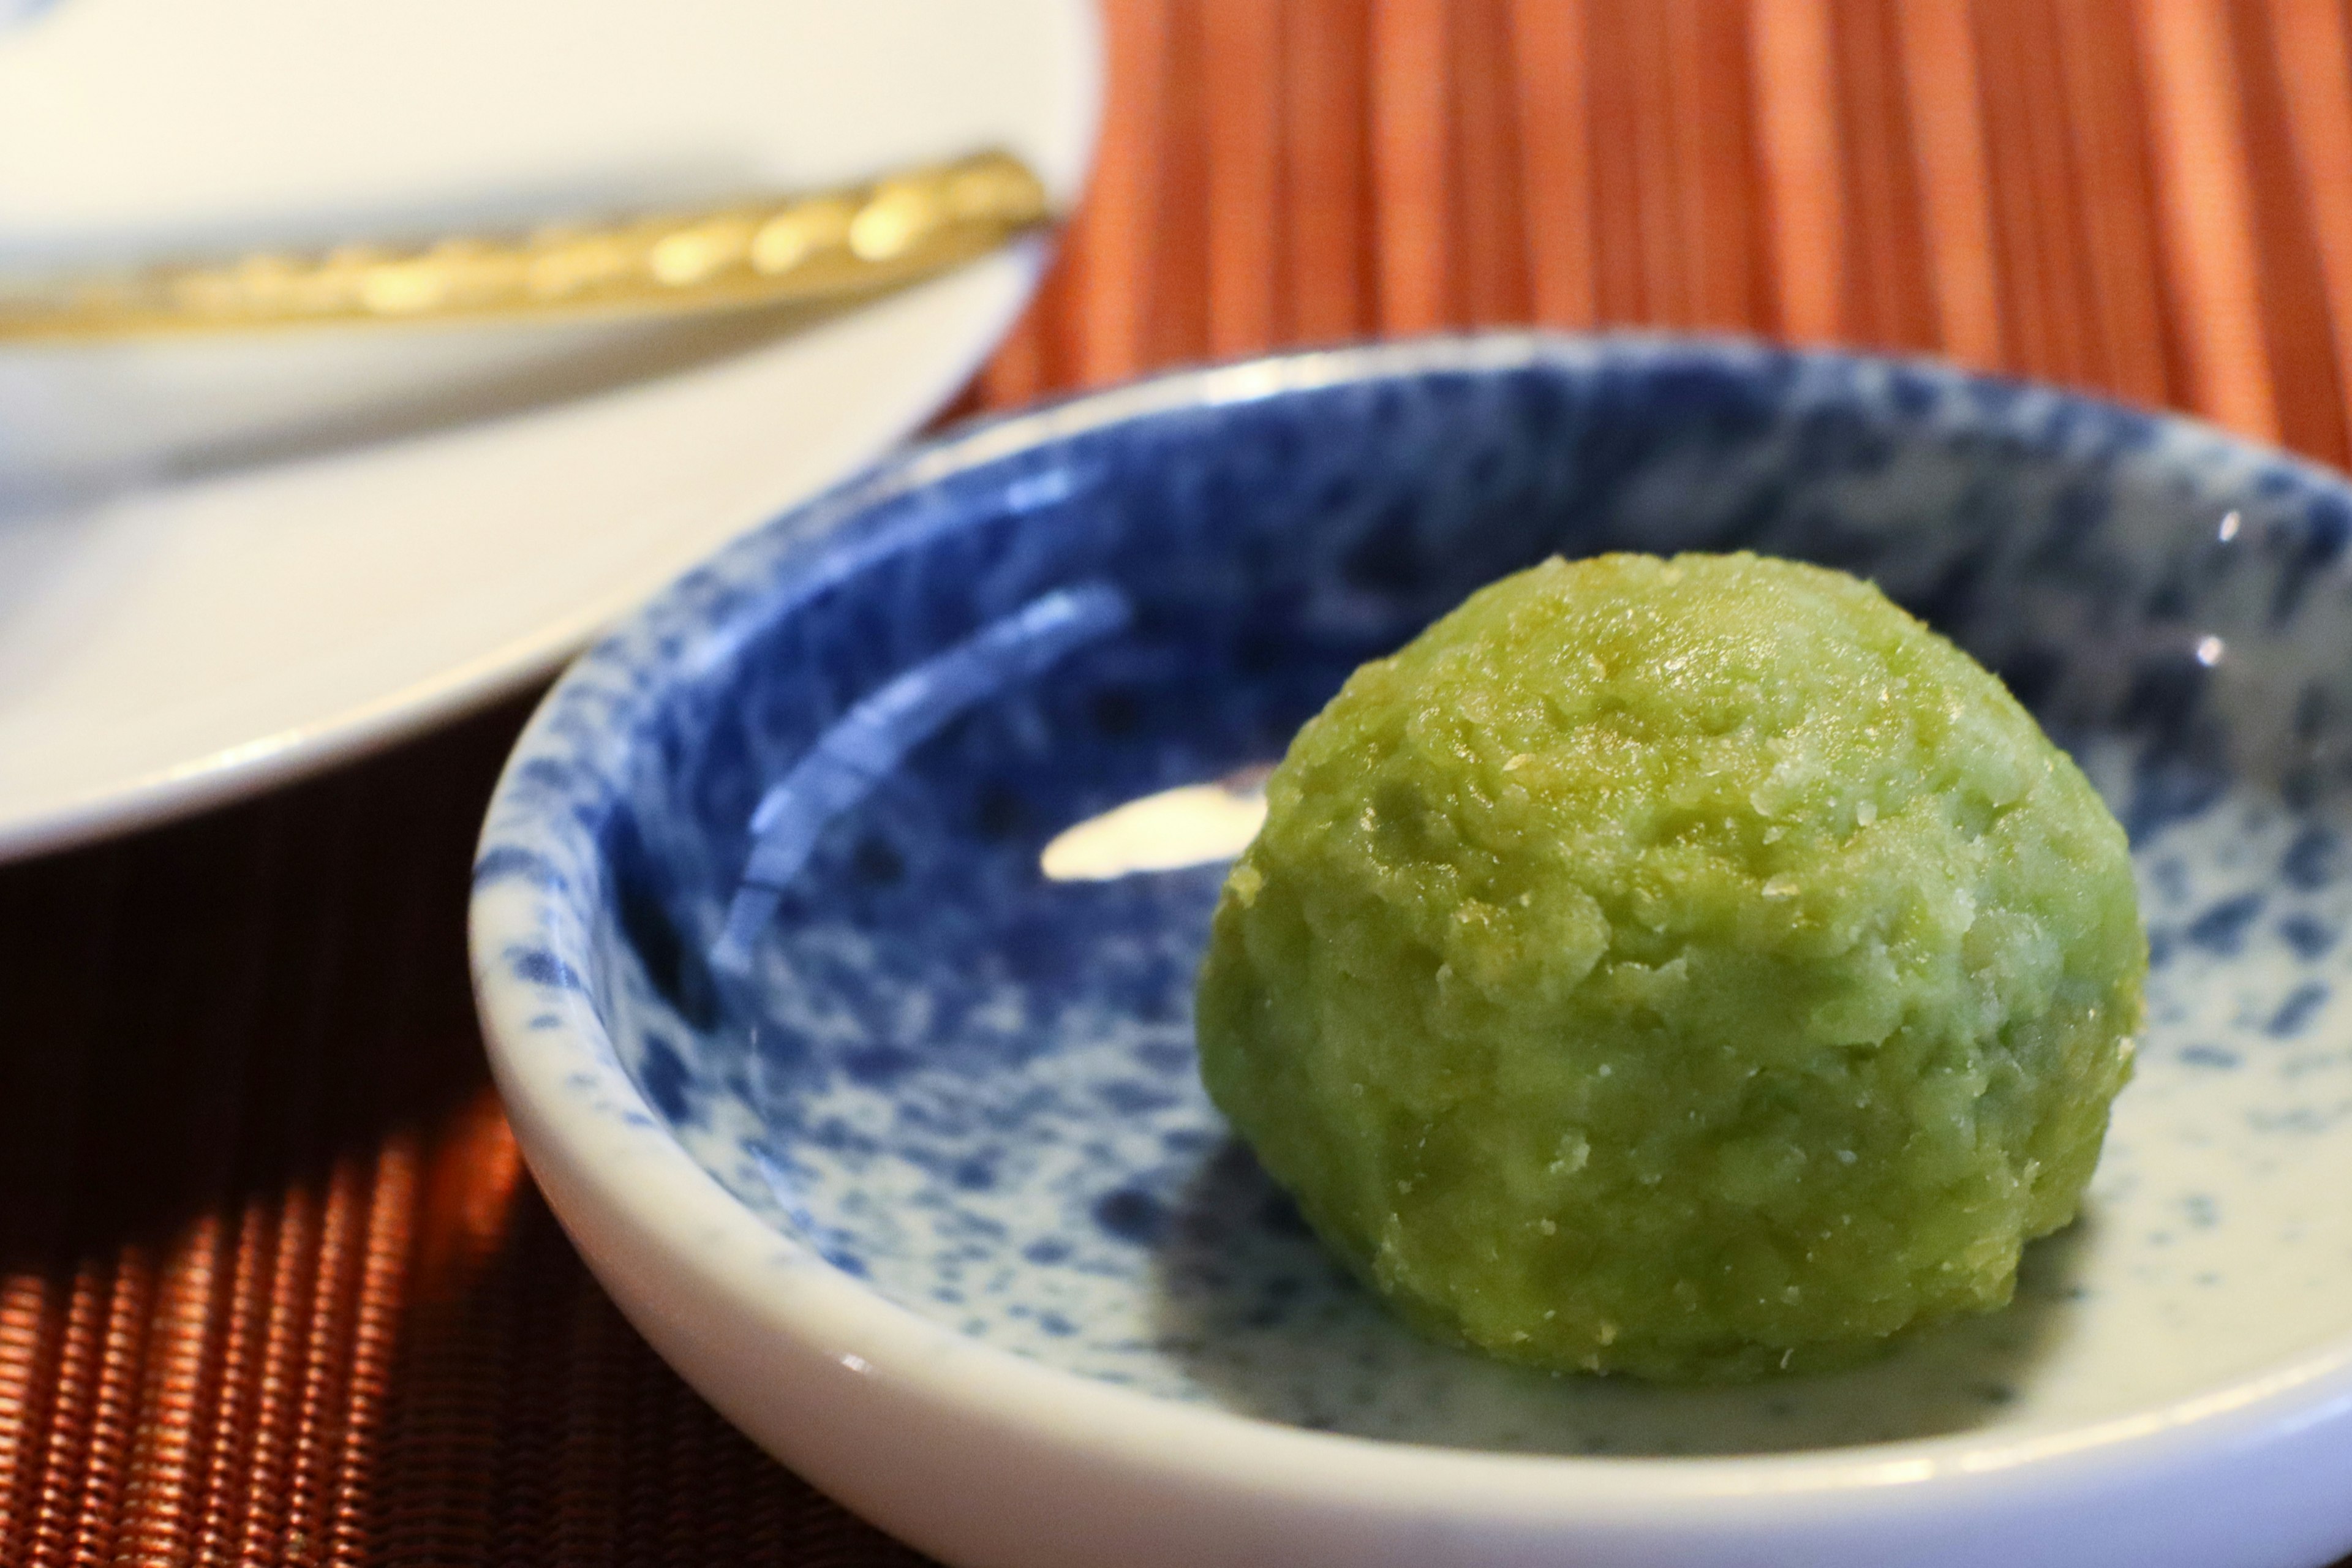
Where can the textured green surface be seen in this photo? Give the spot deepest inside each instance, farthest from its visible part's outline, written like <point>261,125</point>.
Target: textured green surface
<point>1690,968</point>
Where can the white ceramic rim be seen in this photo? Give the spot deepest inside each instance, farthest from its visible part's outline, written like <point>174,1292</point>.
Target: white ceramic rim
<point>361,730</point>
<point>374,726</point>
<point>396,715</point>
<point>650,1194</point>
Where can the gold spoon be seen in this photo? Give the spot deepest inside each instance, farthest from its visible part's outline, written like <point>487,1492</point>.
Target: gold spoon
<point>758,252</point>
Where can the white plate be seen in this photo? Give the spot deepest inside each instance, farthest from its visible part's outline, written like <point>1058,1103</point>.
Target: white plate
<point>222,563</point>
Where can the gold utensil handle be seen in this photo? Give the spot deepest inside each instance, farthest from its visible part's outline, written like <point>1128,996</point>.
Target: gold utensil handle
<point>801,248</point>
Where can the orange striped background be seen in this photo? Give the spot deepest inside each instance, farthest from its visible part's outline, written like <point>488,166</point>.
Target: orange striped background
<point>2150,198</point>
<point>272,1286</point>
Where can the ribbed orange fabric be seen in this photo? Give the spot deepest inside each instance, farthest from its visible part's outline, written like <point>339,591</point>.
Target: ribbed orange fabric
<point>273,1285</point>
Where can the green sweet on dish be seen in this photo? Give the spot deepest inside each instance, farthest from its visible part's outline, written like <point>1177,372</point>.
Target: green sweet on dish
<point>1692,968</point>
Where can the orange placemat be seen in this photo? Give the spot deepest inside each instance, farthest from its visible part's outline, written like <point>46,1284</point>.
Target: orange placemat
<point>273,1288</point>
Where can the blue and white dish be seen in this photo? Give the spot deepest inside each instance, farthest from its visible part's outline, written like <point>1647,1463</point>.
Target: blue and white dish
<point>892,1142</point>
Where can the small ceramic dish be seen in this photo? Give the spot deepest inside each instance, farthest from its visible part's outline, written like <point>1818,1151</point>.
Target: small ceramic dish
<point>890,1140</point>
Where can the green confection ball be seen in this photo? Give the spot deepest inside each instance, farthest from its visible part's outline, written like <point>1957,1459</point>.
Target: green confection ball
<point>1690,968</point>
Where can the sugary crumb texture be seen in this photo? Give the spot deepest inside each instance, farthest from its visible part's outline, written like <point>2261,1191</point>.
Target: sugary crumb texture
<point>1691,968</point>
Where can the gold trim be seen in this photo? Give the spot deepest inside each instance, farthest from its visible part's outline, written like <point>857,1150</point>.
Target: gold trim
<point>795,249</point>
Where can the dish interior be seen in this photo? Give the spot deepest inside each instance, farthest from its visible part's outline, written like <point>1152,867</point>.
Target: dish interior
<point>972,1085</point>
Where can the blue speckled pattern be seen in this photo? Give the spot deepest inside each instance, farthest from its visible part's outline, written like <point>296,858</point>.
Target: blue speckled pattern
<point>973,1088</point>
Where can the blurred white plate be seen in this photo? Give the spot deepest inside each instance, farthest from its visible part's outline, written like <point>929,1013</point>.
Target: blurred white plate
<point>223,564</point>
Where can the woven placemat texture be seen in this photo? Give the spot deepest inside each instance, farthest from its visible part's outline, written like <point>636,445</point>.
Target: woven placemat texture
<point>273,1286</point>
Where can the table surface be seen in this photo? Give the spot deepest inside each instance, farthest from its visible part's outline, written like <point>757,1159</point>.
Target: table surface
<point>273,1286</point>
